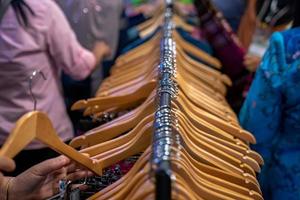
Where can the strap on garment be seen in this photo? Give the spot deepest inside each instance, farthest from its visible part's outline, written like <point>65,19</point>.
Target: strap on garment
<point>3,8</point>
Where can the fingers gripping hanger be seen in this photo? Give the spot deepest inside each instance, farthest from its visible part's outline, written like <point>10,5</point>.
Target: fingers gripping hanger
<point>37,125</point>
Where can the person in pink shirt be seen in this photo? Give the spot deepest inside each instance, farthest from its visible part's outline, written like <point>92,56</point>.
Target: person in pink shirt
<point>35,35</point>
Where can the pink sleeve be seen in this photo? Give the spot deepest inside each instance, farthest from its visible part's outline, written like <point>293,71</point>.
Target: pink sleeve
<point>65,50</point>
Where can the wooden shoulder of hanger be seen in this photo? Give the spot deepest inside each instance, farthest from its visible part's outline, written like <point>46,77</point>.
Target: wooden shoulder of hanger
<point>104,103</point>
<point>141,50</point>
<point>114,143</point>
<point>214,156</point>
<point>196,51</point>
<point>131,104</point>
<point>138,75</point>
<point>138,144</point>
<point>155,16</point>
<point>202,67</point>
<point>223,125</point>
<point>126,182</point>
<point>205,189</point>
<point>186,45</point>
<point>154,23</point>
<point>217,172</point>
<point>219,146</point>
<point>220,179</point>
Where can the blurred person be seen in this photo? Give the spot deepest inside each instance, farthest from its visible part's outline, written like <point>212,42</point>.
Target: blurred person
<point>95,22</point>
<point>35,35</point>
<point>261,19</point>
<point>233,11</point>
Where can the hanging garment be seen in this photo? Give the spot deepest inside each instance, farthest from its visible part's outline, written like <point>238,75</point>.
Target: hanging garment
<point>272,113</point>
<point>227,49</point>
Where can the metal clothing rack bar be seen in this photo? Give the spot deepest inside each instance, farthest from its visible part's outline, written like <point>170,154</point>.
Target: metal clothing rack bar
<point>163,138</point>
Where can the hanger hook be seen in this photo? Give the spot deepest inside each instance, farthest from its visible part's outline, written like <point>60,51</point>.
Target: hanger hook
<point>33,75</point>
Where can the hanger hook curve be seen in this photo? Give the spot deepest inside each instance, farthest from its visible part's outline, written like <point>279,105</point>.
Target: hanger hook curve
<point>32,76</point>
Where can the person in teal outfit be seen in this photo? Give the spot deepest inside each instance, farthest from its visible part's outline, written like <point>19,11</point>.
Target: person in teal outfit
<point>271,112</point>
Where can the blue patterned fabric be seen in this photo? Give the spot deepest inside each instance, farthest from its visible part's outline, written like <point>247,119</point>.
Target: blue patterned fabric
<point>272,113</point>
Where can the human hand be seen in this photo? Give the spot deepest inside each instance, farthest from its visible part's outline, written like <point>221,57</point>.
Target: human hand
<point>101,50</point>
<point>41,181</point>
<point>247,24</point>
<point>252,62</point>
<point>6,164</point>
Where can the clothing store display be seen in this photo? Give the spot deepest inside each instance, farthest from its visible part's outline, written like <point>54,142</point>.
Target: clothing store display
<point>271,112</point>
<point>182,113</point>
<point>130,82</point>
<point>174,117</point>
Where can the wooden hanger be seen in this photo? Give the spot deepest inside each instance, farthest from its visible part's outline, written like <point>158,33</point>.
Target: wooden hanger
<point>188,47</point>
<point>151,25</point>
<point>212,178</point>
<point>191,194</point>
<point>236,154</point>
<point>222,188</point>
<point>207,103</point>
<point>205,189</point>
<point>126,181</point>
<point>198,115</point>
<point>138,144</point>
<point>122,185</point>
<point>37,125</point>
<point>200,80</point>
<point>243,180</point>
<point>224,140</point>
<point>201,68</point>
<point>116,127</point>
<point>133,84</point>
<point>228,155</point>
<point>103,103</point>
<point>139,58</point>
<point>205,156</point>
<point>119,141</point>
<point>138,52</point>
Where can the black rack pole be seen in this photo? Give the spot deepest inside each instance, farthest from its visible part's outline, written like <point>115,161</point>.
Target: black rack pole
<point>163,182</point>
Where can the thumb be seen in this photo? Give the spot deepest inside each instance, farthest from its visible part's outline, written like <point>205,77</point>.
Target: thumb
<point>48,166</point>
<point>7,164</point>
